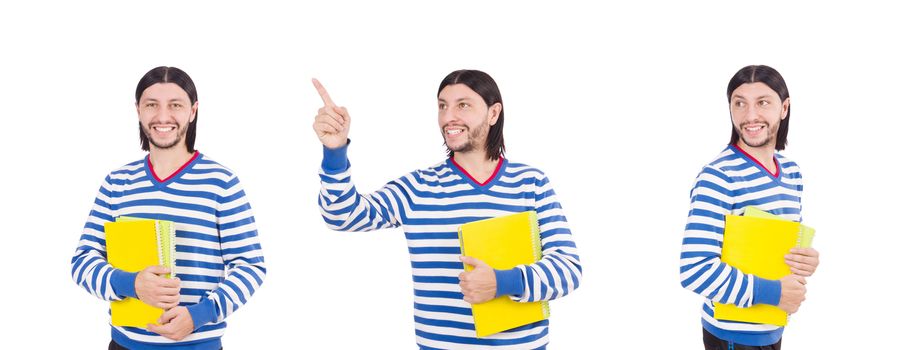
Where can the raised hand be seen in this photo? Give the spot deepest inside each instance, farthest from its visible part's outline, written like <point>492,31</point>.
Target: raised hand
<point>332,122</point>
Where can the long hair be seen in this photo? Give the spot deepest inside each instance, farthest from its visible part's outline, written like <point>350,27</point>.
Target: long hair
<point>485,86</point>
<point>176,76</point>
<point>768,76</point>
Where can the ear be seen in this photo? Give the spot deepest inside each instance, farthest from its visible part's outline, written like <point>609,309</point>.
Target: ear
<point>494,111</point>
<point>785,107</point>
<point>194,111</point>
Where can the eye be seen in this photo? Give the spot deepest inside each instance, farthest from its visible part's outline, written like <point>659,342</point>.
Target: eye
<point>176,106</point>
<point>442,106</point>
<point>764,103</point>
<point>739,104</point>
<point>463,105</point>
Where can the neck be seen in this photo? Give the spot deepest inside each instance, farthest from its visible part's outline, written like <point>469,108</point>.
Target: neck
<point>477,164</point>
<point>167,161</point>
<point>764,155</point>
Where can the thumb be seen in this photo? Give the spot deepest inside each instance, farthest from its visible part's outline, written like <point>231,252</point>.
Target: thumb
<point>157,270</point>
<point>473,261</point>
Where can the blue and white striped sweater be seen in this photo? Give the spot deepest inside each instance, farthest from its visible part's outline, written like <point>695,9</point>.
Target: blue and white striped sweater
<point>731,182</point>
<point>430,205</point>
<point>218,257</point>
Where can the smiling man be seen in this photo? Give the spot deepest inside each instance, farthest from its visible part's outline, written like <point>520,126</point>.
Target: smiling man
<point>473,183</point>
<point>748,172</point>
<point>218,261</point>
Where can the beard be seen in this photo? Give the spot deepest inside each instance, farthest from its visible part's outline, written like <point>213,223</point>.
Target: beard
<point>771,135</point>
<point>480,133</point>
<point>180,134</point>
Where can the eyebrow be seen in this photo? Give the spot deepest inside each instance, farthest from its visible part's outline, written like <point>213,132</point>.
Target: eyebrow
<point>151,99</point>
<point>743,98</point>
<point>458,100</point>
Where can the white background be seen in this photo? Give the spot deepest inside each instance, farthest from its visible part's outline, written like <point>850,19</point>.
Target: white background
<point>620,105</point>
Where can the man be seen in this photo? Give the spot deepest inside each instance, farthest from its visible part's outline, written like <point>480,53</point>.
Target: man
<point>219,262</point>
<point>475,182</point>
<point>747,173</point>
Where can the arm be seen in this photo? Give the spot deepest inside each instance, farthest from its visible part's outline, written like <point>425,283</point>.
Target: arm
<point>701,268</point>
<point>242,257</point>
<point>90,268</point>
<point>559,271</point>
<point>343,208</point>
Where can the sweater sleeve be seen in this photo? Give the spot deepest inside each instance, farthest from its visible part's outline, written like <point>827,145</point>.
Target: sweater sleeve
<point>242,256</point>
<point>90,268</point>
<point>343,208</point>
<point>559,271</point>
<point>701,268</point>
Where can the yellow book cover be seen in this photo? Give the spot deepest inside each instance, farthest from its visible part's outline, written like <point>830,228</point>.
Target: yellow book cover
<point>756,243</point>
<point>503,243</point>
<point>133,245</point>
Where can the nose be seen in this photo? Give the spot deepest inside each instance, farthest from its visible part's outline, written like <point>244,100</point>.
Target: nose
<point>446,116</point>
<point>751,112</point>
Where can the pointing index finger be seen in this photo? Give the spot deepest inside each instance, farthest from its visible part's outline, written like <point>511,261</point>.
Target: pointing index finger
<point>323,94</point>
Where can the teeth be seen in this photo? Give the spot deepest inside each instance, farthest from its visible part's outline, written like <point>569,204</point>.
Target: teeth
<point>453,132</point>
<point>163,128</point>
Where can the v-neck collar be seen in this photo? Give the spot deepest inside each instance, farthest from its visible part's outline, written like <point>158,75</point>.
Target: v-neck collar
<point>149,168</point>
<point>777,166</point>
<point>496,174</point>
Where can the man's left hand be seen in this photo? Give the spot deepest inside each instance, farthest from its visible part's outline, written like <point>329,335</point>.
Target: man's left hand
<point>478,285</point>
<point>175,324</point>
<point>802,261</point>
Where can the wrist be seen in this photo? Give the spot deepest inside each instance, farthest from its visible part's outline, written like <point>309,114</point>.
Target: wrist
<point>766,291</point>
<point>335,159</point>
<point>509,282</point>
<point>123,283</point>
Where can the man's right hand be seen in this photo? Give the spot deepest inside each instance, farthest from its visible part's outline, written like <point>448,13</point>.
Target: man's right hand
<point>793,292</point>
<point>331,123</point>
<point>155,290</point>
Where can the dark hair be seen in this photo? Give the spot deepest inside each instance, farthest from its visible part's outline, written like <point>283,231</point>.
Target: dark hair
<point>176,76</point>
<point>768,76</point>
<point>485,86</point>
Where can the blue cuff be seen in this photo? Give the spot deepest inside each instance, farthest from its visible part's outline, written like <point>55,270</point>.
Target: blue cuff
<point>509,282</point>
<point>766,291</point>
<point>202,313</point>
<point>335,160</point>
<point>124,283</point>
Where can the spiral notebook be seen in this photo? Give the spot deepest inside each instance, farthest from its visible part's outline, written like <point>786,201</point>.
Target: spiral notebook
<point>503,243</point>
<point>133,244</point>
<point>756,243</point>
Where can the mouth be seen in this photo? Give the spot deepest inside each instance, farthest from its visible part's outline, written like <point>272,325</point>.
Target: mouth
<point>163,128</point>
<point>453,130</point>
<point>754,129</point>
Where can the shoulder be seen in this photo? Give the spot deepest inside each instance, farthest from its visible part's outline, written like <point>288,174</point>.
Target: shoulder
<point>521,170</point>
<point>788,166</point>
<point>128,173</point>
<point>205,166</point>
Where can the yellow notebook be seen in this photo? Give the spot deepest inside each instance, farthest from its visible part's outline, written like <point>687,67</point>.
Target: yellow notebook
<point>503,243</point>
<point>756,243</point>
<point>133,245</point>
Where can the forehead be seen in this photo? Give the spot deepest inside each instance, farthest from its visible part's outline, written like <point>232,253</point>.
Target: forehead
<point>164,92</point>
<point>455,92</point>
<point>753,91</point>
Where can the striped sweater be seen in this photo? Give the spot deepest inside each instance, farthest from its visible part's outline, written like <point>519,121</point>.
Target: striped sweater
<point>218,256</point>
<point>731,182</point>
<point>430,205</point>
